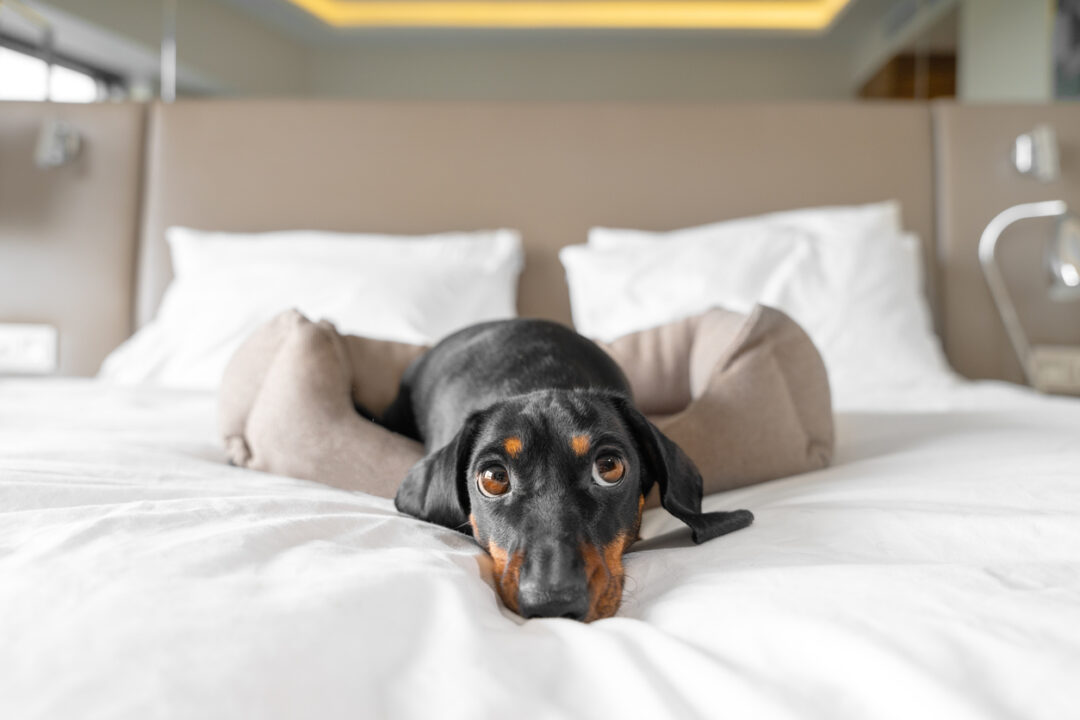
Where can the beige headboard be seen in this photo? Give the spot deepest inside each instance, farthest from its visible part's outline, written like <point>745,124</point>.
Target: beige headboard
<point>549,170</point>
<point>976,181</point>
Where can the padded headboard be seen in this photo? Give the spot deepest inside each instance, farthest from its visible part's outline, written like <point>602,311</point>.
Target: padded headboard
<point>551,170</point>
<point>976,181</point>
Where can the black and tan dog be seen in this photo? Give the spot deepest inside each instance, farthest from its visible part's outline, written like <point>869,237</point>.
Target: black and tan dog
<point>534,444</point>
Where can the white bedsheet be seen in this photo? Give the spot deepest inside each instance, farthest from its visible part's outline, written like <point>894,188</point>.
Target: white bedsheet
<point>933,572</point>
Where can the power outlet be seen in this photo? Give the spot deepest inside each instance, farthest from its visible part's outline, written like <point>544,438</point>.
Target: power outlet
<point>28,349</point>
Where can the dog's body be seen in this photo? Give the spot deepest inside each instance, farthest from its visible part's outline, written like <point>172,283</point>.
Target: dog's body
<point>534,444</point>
<point>486,363</point>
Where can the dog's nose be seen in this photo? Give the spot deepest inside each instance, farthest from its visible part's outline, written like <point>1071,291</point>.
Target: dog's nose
<point>552,583</point>
<point>573,605</point>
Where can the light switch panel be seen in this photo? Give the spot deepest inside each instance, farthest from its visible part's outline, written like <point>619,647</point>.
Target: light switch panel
<point>27,349</point>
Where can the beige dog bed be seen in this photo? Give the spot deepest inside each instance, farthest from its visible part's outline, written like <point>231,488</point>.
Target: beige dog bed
<point>745,396</point>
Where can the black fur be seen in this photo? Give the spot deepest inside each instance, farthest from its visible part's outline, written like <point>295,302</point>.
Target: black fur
<point>543,383</point>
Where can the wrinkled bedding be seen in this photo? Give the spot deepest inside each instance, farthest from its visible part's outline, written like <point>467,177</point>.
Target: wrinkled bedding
<point>933,571</point>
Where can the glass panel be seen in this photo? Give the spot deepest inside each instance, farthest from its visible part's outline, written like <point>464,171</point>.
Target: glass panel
<point>22,77</point>
<point>73,86</point>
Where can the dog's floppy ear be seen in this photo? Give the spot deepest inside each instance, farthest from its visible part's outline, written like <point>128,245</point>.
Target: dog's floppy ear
<point>679,480</point>
<point>434,488</point>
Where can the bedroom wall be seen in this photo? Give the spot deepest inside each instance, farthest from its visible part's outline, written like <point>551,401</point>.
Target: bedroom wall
<point>234,47</point>
<point>928,28</point>
<point>221,49</point>
<point>1005,50</point>
<point>68,234</point>
<point>579,67</point>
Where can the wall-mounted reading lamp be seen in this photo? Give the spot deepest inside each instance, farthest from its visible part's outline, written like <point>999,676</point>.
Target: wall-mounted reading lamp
<point>1047,367</point>
<point>58,141</point>
<point>1035,153</point>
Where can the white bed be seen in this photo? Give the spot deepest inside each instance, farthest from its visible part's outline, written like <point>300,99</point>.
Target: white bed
<point>934,571</point>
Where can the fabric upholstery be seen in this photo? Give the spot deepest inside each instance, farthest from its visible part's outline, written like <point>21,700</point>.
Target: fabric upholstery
<point>550,170</point>
<point>746,397</point>
<point>757,396</point>
<point>287,406</point>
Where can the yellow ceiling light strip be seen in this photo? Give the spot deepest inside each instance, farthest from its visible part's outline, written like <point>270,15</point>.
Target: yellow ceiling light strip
<point>704,14</point>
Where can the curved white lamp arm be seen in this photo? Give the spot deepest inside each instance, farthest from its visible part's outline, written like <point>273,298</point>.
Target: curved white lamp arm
<point>999,291</point>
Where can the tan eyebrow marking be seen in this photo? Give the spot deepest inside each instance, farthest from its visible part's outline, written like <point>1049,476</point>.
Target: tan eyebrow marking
<point>580,443</point>
<point>512,445</point>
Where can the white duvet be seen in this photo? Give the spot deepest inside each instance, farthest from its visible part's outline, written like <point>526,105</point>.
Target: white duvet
<point>933,572</point>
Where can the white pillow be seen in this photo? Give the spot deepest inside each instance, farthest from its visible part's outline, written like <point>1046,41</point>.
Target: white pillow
<point>852,280</point>
<point>409,289</point>
<point>839,223</point>
<point>618,291</point>
<point>864,307</point>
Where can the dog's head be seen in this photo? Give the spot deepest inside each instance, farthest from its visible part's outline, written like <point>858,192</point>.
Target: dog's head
<point>552,485</point>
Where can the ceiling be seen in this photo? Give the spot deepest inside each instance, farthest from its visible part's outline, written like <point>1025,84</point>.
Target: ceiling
<point>803,15</point>
<point>851,16</point>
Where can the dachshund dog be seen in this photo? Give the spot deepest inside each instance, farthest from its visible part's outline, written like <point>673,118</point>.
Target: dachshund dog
<point>536,448</point>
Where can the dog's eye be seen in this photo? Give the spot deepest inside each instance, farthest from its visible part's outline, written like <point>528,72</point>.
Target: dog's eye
<point>608,469</point>
<point>493,481</point>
